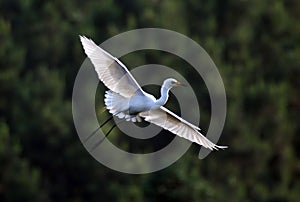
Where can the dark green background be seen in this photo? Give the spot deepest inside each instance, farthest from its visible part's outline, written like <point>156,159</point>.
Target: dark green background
<point>256,46</point>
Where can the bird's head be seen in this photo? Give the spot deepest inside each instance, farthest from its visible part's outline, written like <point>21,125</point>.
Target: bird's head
<point>170,83</point>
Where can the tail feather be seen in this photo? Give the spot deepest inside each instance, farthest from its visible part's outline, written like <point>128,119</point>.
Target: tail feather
<point>119,106</point>
<point>115,102</point>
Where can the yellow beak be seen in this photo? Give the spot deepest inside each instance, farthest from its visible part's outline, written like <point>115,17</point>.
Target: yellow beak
<point>179,84</point>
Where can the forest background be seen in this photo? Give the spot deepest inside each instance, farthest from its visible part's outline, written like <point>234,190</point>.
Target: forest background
<point>256,47</point>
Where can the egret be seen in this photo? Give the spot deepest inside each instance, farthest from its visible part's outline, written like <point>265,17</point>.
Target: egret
<point>127,100</point>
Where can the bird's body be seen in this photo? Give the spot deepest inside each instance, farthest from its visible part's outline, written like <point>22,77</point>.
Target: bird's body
<point>130,107</point>
<point>127,100</point>
<point>141,103</point>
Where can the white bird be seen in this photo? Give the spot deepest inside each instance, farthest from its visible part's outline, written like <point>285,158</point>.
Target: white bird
<point>126,99</point>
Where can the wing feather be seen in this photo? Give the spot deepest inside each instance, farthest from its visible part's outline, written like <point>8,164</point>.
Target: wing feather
<point>177,125</point>
<point>111,71</point>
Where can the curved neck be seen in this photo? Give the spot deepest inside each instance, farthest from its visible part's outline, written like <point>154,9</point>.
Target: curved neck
<point>164,96</point>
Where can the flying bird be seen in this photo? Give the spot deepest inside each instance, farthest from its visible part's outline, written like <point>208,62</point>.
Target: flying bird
<point>127,100</point>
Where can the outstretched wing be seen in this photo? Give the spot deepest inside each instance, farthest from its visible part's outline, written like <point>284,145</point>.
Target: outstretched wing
<point>177,125</point>
<point>111,71</point>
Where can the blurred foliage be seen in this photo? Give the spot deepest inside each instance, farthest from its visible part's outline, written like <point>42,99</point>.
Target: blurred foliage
<point>256,46</point>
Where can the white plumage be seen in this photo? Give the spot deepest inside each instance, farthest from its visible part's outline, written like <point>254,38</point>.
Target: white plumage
<point>127,100</point>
